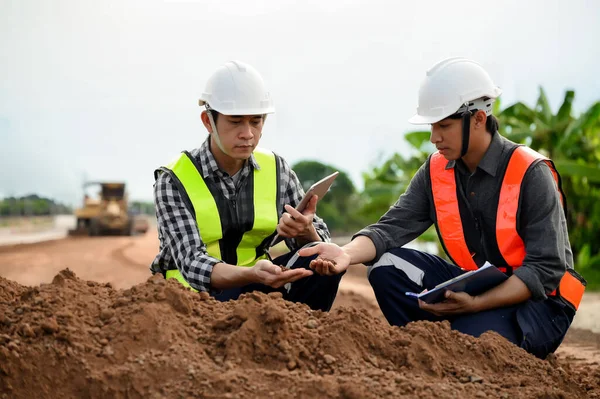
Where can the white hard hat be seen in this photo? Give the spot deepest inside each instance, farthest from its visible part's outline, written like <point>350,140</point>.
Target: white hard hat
<point>451,85</point>
<point>237,88</point>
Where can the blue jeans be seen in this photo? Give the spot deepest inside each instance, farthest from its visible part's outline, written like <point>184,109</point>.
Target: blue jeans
<point>316,291</point>
<point>537,327</point>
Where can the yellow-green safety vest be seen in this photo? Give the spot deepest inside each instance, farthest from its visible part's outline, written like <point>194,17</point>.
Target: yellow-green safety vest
<point>208,220</point>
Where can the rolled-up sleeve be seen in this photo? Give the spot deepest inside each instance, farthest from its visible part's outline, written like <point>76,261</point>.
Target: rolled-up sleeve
<point>543,228</point>
<point>406,220</point>
<point>180,236</point>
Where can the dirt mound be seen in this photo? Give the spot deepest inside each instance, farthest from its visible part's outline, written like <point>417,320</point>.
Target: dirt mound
<point>75,338</point>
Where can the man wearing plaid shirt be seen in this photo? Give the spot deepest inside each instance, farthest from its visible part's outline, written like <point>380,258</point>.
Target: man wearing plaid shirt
<point>219,206</point>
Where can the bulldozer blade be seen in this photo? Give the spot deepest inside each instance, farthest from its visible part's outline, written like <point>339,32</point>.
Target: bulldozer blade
<point>79,232</point>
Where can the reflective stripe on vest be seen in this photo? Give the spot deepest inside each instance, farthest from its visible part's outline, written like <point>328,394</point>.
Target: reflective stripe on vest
<point>265,208</point>
<point>449,223</point>
<point>207,213</point>
<point>510,243</point>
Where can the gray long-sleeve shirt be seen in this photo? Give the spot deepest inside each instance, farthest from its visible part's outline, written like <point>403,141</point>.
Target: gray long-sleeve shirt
<point>541,221</point>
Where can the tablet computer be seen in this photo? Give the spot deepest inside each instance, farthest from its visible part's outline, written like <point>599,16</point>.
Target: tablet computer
<point>473,283</point>
<point>320,188</point>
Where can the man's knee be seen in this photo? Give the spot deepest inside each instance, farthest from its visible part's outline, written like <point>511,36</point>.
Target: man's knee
<point>394,265</point>
<point>381,275</point>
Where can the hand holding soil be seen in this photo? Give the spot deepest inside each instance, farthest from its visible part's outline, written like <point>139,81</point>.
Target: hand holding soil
<point>331,259</point>
<point>277,276</point>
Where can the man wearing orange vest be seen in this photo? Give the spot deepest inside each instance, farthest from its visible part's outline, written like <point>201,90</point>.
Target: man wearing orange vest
<point>219,206</point>
<point>491,200</point>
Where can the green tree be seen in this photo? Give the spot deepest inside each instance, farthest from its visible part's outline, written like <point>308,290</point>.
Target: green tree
<point>31,205</point>
<point>337,208</point>
<point>385,183</point>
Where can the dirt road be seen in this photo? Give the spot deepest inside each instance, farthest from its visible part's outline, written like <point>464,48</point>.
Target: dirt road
<point>123,262</point>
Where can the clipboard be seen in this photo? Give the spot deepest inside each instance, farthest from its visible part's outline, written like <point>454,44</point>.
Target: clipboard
<point>473,283</point>
<point>320,188</point>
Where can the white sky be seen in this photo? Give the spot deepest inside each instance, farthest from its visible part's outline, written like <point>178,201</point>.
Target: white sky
<point>109,89</point>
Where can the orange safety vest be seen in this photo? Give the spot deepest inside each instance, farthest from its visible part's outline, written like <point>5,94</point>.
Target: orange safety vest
<point>450,228</point>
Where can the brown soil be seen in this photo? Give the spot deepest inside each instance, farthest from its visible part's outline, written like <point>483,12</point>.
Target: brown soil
<point>73,338</point>
<point>61,336</point>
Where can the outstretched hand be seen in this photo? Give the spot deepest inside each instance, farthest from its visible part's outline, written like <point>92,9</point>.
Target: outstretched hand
<point>331,259</point>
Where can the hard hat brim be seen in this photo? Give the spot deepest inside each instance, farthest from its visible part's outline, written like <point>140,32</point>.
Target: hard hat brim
<point>248,111</point>
<point>245,111</point>
<point>425,120</point>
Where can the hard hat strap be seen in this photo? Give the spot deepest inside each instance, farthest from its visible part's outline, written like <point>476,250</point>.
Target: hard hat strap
<point>214,130</point>
<point>466,132</point>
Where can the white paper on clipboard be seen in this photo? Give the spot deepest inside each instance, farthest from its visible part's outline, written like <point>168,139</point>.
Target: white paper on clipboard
<point>320,188</point>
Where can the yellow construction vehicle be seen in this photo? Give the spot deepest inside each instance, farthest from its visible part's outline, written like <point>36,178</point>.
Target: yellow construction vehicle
<point>105,214</point>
